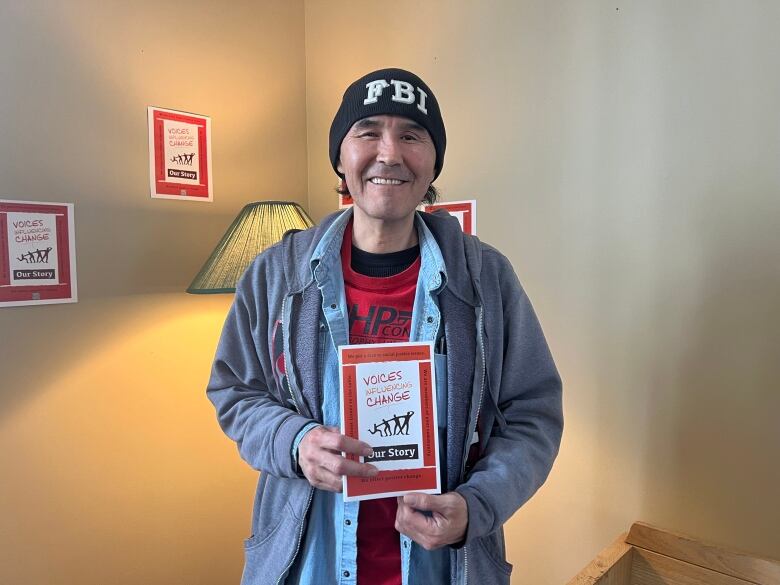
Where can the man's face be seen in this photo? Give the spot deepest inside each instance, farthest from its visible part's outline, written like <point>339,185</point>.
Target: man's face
<point>388,164</point>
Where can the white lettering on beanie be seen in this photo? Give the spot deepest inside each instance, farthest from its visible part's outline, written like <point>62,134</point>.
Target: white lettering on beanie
<point>404,93</point>
<point>421,105</point>
<point>374,90</point>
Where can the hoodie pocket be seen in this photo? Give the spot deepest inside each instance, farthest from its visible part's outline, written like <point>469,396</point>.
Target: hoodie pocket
<point>277,526</point>
<point>487,564</point>
<point>268,557</point>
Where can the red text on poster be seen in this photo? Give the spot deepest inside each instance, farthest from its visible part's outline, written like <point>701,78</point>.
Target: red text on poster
<point>37,255</point>
<point>179,155</point>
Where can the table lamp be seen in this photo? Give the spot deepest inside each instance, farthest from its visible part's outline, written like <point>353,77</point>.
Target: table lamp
<point>259,225</point>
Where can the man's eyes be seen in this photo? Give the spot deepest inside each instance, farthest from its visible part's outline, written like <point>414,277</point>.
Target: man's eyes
<point>404,137</point>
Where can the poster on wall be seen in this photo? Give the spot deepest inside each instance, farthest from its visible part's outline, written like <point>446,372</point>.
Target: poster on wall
<point>37,253</point>
<point>464,211</point>
<point>179,155</point>
<point>388,401</point>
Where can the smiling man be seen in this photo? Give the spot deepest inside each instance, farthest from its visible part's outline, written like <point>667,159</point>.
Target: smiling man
<point>382,272</point>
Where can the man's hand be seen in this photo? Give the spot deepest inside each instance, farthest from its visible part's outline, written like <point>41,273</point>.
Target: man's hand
<point>445,525</point>
<point>320,459</point>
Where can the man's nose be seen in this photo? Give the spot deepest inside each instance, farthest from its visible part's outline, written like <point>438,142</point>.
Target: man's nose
<point>389,151</point>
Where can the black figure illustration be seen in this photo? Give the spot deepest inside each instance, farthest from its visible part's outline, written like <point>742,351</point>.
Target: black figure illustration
<point>400,425</point>
<point>183,159</point>
<point>383,429</point>
<point>42,255</point>
<point>35,256</point>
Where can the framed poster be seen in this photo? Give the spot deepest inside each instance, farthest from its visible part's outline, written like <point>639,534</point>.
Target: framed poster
<point>179,155</point>
<point>465,211</point>
<point>388,400</point>
<point>37,253</point>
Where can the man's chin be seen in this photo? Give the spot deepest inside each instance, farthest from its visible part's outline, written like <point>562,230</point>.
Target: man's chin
<point>388,213</point>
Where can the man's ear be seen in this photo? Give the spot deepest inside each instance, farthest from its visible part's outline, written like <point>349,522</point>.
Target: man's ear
<point>339,167</point>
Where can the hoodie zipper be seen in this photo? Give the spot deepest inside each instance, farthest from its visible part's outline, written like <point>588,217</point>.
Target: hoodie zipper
<point>293,390</point>
<point>300,537</point>
<point>470,433</point>
<point>288,363</point>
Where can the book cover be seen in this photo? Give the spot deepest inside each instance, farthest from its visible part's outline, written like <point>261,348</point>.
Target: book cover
<point>388,400</point>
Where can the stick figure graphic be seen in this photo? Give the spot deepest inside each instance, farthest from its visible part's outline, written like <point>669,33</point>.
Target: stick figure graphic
<point>402,423</point>
<point>383,429</point>
<point>42,255</point>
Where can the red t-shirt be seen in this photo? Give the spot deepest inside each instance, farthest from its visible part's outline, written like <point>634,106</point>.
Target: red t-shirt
<point>380,311</point>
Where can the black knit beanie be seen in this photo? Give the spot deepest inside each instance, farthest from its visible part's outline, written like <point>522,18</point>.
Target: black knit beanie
<point>393,92</point>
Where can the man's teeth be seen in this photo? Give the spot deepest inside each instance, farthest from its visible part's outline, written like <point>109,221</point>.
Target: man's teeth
<point>381,181</point>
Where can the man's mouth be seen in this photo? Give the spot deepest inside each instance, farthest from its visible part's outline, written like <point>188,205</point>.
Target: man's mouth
<point>383,181</point>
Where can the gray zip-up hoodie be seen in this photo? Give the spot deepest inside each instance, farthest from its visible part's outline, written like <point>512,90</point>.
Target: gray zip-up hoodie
<point>501,382</point>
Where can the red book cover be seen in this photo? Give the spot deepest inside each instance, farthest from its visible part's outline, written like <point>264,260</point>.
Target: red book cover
<point>388,400</point>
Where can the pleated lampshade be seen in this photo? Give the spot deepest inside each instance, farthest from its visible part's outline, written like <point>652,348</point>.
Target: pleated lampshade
<point>258,226</point>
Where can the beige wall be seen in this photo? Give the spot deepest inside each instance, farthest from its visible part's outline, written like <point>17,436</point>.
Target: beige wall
<point>113,469</point>
<point>625,158</point>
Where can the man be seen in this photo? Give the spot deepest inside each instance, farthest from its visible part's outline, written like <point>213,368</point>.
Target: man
<point>376,273</point>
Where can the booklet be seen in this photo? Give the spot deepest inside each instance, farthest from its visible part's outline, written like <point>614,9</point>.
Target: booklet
<point>388,400</point>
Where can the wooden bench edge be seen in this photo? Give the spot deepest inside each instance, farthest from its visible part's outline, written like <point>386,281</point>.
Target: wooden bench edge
<point>609,557</point>
<point>709,556</point>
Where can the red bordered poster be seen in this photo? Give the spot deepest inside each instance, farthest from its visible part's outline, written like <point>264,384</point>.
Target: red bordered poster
<point>37,253</point>
<point>179,155</point>
<point>465,211</point>
<point>388,400</point>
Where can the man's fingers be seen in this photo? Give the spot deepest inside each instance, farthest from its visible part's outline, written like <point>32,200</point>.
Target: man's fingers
<point>425,502</point>
<point>411,519</point>
<point>320,475</point>
<point>419,527</point>
<point>325,480</point>
<point>339,442</point>
<point>331,438</point>
<point>446,524</point>
<point>320,458</point>
<point>444,504</point>
<point>339,466</point>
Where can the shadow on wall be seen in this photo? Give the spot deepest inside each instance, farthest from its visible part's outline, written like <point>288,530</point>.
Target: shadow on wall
<point>123,255</point>
<point>120,451</point>
<point>155,249</point>
<point>39,343</point>
<point>713,437</point>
